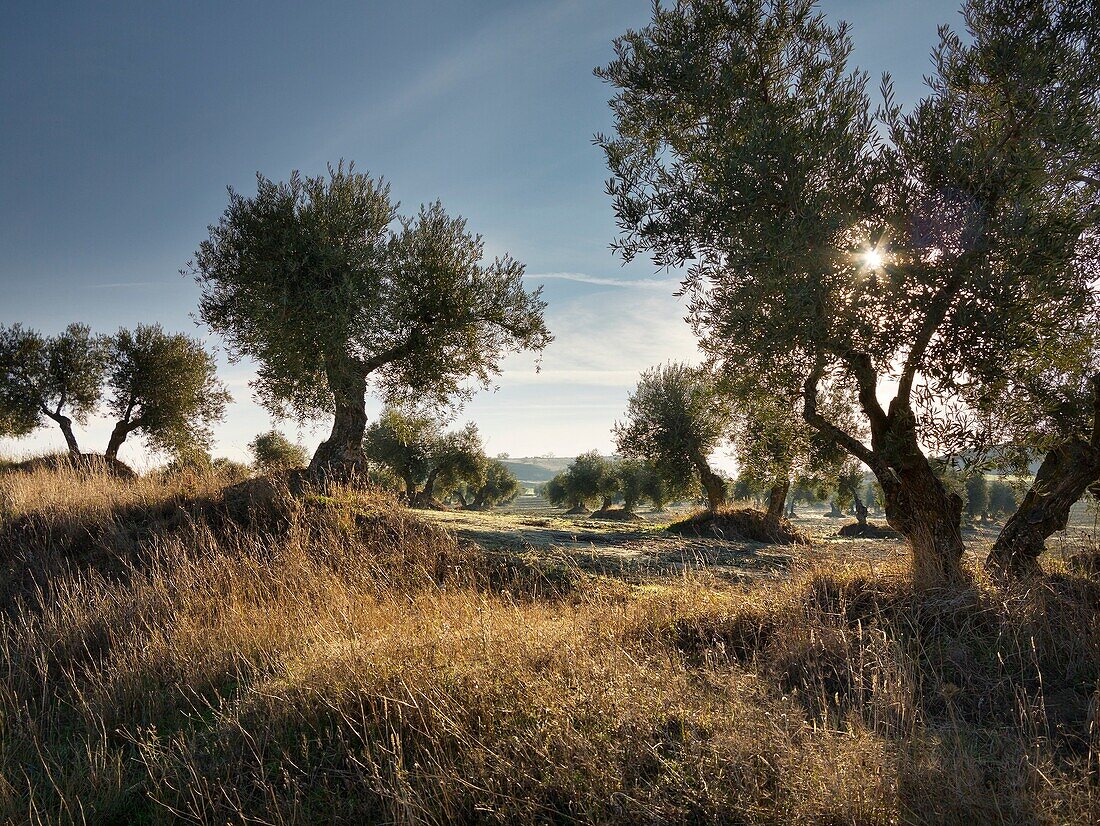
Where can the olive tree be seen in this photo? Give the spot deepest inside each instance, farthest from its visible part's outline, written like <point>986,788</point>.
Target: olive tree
<point>676,417</point>
<point>427,459</point>
<point>163,386</point>
<point>330,291</point>
<point>588,478</point>
<point>496,486</point>
<point>273,452</point>
<point>825,249</point>
<point>55,378</point>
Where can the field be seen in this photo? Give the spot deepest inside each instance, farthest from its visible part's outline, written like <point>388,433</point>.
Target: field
<point>176,650</point>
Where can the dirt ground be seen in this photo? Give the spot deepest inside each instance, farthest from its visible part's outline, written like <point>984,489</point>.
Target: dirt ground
<point>644,550</point>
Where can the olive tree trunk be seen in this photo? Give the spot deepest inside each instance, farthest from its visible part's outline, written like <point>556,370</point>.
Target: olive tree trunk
<point>1067,472</point>
<point>426,497</point>
<point>66,425</point>
<point>341,455</point>
<point>121,430</point>
<point>777,500</point>
<point>918,504</point>
<point>713,484</point>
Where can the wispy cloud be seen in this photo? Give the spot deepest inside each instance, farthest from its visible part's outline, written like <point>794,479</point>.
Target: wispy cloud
<point>520,32</point>
<point>663,284</point>
<point>120,285</point>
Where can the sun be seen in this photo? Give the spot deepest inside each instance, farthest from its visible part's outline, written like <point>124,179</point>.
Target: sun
<point>872,259</point>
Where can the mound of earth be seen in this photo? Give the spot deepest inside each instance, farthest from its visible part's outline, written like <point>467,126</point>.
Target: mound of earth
<point>868,530</point>
<point>85,462</point>
<point>745,524</point>
<point>618,515</point>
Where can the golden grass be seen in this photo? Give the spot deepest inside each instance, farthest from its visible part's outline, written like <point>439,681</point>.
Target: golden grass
<point>167,656</point>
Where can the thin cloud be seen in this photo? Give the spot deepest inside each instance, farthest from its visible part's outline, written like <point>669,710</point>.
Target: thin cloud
<point>118,285</point>
<point>664,285</point>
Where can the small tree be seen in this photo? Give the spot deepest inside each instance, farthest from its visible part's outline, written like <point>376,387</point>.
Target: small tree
<point>425,458</point>
<point>310,279</point>
<point>498,486</point>
<point>163,386</point>
<point>1002,498</point>
<point>556,490</point>
<point>977,496</point>
<point>677,418</point>
<point>634,477</point>
<point>273,452</point>
<point>589,478</point>
<point>454,459</point>
<point>59,379</point>
<point>400,440</point>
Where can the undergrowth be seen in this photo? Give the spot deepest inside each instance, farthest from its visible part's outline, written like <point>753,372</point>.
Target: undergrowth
<point>247,654</point>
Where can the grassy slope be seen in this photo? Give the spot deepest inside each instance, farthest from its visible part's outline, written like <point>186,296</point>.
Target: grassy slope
<point>168,654</point>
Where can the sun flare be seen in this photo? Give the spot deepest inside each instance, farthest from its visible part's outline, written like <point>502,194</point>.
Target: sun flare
<point>872,259</point>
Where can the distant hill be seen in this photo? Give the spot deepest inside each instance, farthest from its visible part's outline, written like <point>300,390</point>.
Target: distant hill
<point>535,470</point>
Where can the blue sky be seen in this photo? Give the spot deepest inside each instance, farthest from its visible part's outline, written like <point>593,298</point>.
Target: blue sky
<point>121,124</point>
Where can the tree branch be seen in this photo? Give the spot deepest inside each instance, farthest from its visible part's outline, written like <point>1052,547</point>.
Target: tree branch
<point>816,420</point>
<point>1096,411</point>
<point>940,304</point>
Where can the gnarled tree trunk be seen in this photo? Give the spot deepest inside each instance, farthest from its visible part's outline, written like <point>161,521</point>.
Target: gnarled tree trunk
<point>118,436</point>
<point>70,439</point>
<point>1066,473</point>
<point>341,456</point>
<point>919,505</point>
<point>777,499</point>
<point>426,497</point>
<point>713,484</point>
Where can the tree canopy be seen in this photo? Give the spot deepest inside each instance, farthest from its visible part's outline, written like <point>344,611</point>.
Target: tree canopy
<point>273,452</point>
<point>56,378</point>
<point>327,288</point>
<point>429,461</point>
<point>163,386</point>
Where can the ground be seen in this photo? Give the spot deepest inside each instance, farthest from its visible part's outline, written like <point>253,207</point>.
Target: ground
<point>644,550</point>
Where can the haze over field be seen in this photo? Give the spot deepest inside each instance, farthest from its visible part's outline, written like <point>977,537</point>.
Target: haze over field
<point>130,121</point>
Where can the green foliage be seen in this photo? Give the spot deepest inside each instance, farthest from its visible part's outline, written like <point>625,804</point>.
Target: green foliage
<point>272,452</point>
<point>310,279</point>
<point>633,477</point>
<point>676,418</point>
<point>57,378</point>
<point>977,495</point>
<point>1002,498</point>
<point>457,458</point>
<point>590,478</point>
<point>942,247</point>
<point>428,460</point>
<point>401,440</point>
<point>497,486</point>
<point>163,386</point>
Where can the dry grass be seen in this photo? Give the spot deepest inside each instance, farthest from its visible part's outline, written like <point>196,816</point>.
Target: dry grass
<point>173,654</point>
